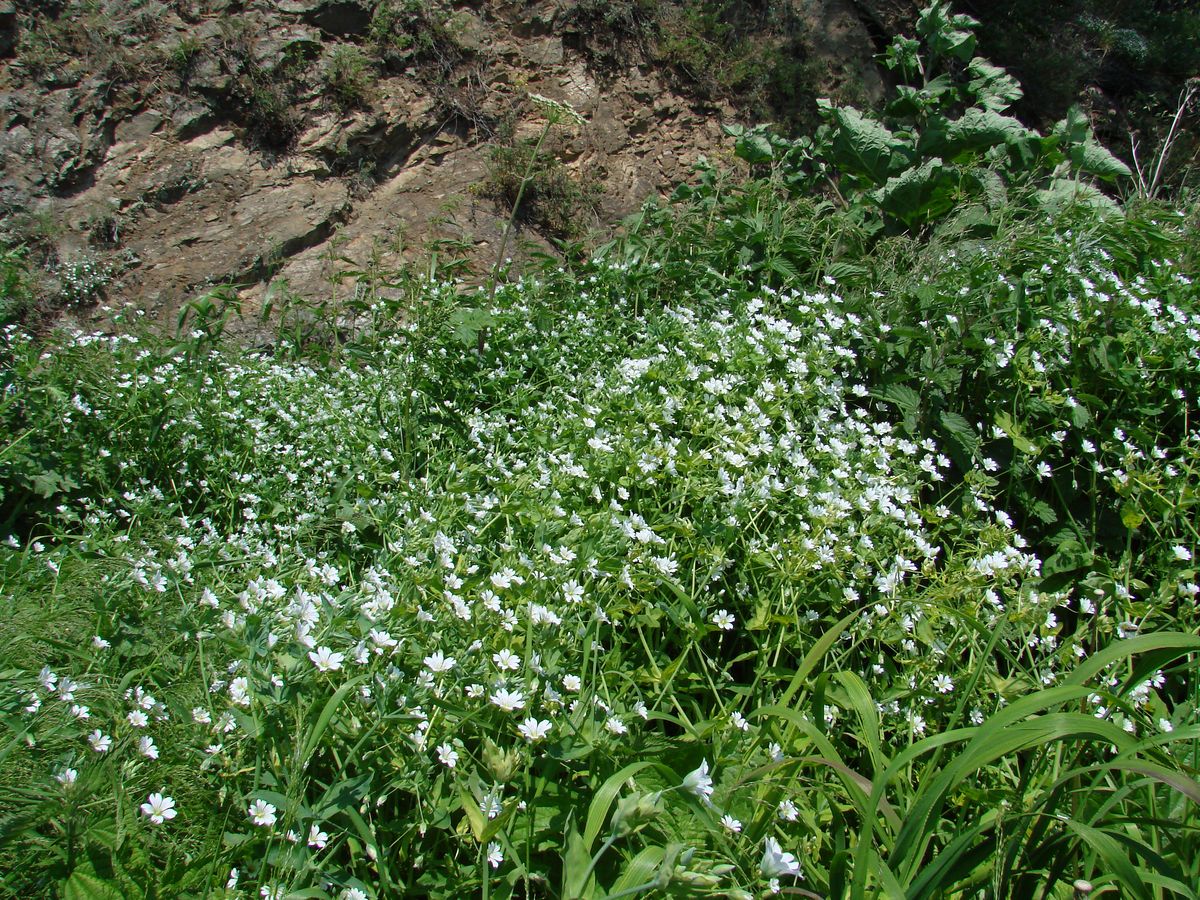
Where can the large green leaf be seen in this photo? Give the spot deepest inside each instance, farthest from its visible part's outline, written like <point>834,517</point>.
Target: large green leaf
<point>919,195</point>
<point>994,88</point>
<point>1092,158</point>
<point>863,147</point>
<point>978,129</point>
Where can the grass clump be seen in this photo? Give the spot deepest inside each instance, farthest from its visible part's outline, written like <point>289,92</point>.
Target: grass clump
<point>348,77</point>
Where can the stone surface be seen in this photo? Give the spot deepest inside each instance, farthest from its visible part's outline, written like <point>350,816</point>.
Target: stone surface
<point>163,166</point>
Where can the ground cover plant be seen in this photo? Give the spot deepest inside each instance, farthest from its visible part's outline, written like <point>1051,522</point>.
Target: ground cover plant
<point>787,546</point>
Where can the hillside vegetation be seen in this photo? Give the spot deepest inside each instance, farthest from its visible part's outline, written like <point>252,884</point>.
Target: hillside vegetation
<point>831,532</point>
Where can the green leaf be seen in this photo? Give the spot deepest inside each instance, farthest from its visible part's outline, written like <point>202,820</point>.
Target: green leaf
<point>85,884</point>
<point>919,195</point>
<point>863,147</point>
<point>1094,159</point>
<point>318,730</point>
<point>1010,428</point>
<point>978,129</point>
<point>993,87</point>
<point>961,432</point>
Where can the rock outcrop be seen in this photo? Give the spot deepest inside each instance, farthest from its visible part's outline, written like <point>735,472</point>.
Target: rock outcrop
<point>186,144</point>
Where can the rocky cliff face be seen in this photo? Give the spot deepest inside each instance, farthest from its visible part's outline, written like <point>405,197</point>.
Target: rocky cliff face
<point>151,149</point>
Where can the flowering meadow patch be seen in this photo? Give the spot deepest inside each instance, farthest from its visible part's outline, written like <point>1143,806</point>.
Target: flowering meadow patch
<point>573,593</point>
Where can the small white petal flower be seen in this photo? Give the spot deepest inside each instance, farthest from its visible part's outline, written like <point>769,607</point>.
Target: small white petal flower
<point>698,782</point>
<point>262,813</point>
<point>159,808</point>
<point>447,756</point>
<point>506,660</point>
<point>776,862</point>
<point>533,730</point>
<point>326,660</point>
<point>508,700</point>
<point>317,838</point>
<point>723,619</point>
<point>439,663</point>
<point>100,741</point>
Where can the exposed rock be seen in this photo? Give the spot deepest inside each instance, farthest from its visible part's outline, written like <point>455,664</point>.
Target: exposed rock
<point>166,178</point>
<point>8,28</point>
<point>339,17</point>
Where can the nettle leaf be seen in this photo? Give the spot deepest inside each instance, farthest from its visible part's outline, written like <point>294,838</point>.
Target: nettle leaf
<point>920,195</point>
<point>978,129</point>
<point>467,322</point>
<point>862,146</point>
<point>992,87</point>
<point>1065,192</point>
<point>947,34</point>
<point>1094,159</point>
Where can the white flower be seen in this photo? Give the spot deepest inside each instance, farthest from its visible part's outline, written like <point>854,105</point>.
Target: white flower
<point>788,811</point>
<point>1164,725</point>
<point>100,741</point>
<point>723,619</point>
<point>533,730</point>
<point>147,747</point>
<point>506,659</point>
<point>495,855</point>
<point>615,726</point>
<point>326,660</point>
<point>776,862</point>
<point>67,777</point>
<point>943,684</point>
<point>698,782</point>
<point>508,700</point>
<point>138,719</point>
<point>354,893</point>
<point>201,716</point>
<point>159,808</point>
<point>730,823</point>
<point>100,643</point>
<point>738,721</point>
<point>262,813</point>
<point>571,683</point>
<point>317,838</point>
<point>447,756</point>
<point>1183,554</point>
<point>439,663</point>
<point>573,592</point>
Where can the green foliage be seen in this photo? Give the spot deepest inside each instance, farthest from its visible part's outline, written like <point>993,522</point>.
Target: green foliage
<point>411,32</point>
<point>944,140</point>
<point>348,77</point>
<point>526,177</point>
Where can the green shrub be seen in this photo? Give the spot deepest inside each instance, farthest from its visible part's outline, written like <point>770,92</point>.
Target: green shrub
<point>348,77</point>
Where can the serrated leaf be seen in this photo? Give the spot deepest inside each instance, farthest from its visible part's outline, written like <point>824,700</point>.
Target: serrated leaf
<point>992,86</point>
<point>863,146</point>
<point>1094,159</point>
<point>1043,511</point>
<point>85,884</point>
<point>919,195</point>
<point>978,129</point>
<point>902,396</point>
<point>961,430</point>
